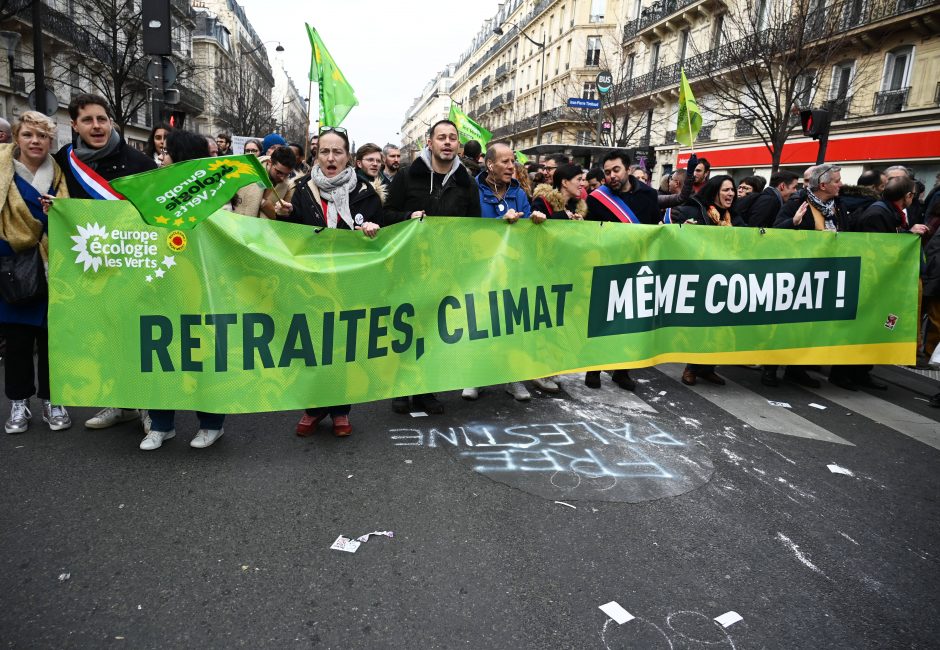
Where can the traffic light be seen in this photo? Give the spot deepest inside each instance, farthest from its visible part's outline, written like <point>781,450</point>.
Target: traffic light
<point>815,122</point>
<point>175,118</point>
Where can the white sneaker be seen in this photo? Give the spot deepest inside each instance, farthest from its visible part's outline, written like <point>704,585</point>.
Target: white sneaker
<point>155,438</point>
<point>547,384</point>
<point>206,437</point>
<point>110,416</point>
<point>519,392</point>
<point>470,393</point>
<point>145,420</point>
<point>20,415</point>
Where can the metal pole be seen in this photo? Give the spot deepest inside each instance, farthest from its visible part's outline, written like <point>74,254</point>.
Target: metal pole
<point>600,113</point>
<point>538,124</point>
<point>823,143</point>
<point>156,91</point>
<point>39,72</point>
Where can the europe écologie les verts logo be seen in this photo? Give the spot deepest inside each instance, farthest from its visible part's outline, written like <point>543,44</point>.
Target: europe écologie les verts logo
<point>137,251</point>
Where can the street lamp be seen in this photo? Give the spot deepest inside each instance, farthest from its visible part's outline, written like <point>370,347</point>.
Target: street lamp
<point>541,45</point>
<point>279,48</point>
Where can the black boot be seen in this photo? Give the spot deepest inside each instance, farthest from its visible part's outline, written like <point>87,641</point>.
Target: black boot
<point>592,379</point>
<point>622,379</point>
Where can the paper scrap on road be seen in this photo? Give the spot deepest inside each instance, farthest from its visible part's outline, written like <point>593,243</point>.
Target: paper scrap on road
<point>345,544</point>
<point>562,503</point>
<point>817,406</point>
<point>835,469</point>
<point>661,393</point>
<point>616,612</point>
<point>419,414</point>
<point>64,576</point>
<point>728,618</point>
<point>785,405</point>
<point>383,533</point>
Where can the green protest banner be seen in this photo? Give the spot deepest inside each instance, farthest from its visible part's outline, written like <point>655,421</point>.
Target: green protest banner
<point>185,193</point>
<point>689,119</point>
<point>244,315</point>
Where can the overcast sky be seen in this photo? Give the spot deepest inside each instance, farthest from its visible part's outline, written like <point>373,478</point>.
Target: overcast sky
<point>387,50</point>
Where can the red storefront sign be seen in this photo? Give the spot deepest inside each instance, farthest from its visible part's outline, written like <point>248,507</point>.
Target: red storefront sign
<point>887,147</point>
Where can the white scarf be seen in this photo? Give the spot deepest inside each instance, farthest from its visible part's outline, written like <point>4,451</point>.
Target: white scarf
<point>335,191</point>
<point>41,180</point>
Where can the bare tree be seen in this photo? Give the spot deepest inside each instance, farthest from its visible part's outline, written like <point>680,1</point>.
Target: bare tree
<point>240,103</point>
<point>107,59</point>
<point>780,57</point>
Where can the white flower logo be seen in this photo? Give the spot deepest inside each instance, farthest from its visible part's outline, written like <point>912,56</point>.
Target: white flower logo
<point>90,231</point>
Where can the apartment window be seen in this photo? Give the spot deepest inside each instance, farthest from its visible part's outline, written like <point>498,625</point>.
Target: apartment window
<point>841,86</point>
<point>593,51</point>
<point>551,23</point>
<point>762,14</point>
<point>654,56</point>
<point>683,44</point>
<point>557,59</point>
<point>637,7</point>
<point>804,88</point>
<point>548,62</point>
<point>718,36</point>
<point>597,10</point>
<point>589,91</point>
<point>897,74</point>
<point>585,137</point>
<point>631,61</point>
<point>561,20</point>
<point>568,55</point>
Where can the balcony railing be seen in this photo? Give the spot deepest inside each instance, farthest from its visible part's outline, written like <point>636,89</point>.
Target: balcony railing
<point>510,35</point>
<point>653,14</point>
<point>891,101</point>
<point>838,108</point>
<point>474,92</point>
<point>502,71</point>
<point>486,83</point>
<point>509,96</point>
<point>748,48</point>
<point>497,102</point>
<point>743,128</point>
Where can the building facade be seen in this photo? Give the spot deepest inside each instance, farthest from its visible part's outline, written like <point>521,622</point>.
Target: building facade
<point>290,106</point>
<point>431,105</point>
<point>232,68</point>
<point>874,64</point>
<point>77,42</point>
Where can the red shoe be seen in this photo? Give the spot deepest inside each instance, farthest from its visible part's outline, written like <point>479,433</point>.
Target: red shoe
<point>341,425</point>
<point>308,424</point>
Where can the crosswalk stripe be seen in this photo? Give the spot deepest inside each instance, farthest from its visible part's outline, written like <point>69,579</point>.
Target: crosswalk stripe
<point>891,415</point>
<point>753,409</point>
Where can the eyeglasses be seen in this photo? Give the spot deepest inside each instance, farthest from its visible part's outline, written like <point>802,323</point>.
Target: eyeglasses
<point>333,129</point>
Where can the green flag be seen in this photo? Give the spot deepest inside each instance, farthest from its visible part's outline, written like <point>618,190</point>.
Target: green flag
<point>337,97</point>
<point>522,158</point>
<point>185,193</point>
<point>467,129</point>
<point>689,122</point>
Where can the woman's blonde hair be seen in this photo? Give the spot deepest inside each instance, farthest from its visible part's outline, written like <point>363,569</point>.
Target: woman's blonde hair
<point>36,120</point>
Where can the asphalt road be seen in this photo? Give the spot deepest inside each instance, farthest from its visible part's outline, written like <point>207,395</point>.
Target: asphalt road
<point>682,504</point>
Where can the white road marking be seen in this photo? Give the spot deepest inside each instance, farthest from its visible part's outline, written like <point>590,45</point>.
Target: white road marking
<point>884,412</point>
<point>752,409</point>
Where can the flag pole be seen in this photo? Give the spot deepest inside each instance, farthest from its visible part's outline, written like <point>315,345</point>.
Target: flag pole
<point>307,134</point>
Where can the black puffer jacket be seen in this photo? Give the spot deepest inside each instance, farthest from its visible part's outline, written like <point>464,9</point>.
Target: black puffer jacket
<point>413,189</point>
<point>763,209</point>
<point>879,217</point>
<point>123,162</point>
<point>364,205</point>
<point>788,211</point>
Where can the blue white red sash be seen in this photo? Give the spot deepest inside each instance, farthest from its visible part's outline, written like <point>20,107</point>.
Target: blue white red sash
<point>91,181</point>
<point>615,204</point>
<point>667,218</point>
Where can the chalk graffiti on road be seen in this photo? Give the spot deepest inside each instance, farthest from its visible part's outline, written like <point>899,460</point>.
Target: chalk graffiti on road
<point>579,459</point>
<point>689,628</point>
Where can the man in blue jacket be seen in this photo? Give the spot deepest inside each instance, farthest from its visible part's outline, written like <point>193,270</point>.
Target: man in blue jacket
<point>501,196</point>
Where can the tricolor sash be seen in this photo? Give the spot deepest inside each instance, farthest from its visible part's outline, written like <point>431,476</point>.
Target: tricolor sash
<point>91,181</point>
<point>615,204</point>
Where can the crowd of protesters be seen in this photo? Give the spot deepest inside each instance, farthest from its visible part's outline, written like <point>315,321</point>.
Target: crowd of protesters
<point>367,189</point>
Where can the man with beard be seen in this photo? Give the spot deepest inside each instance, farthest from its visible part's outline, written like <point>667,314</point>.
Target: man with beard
<point>435,185</point>
<point>391,155</point>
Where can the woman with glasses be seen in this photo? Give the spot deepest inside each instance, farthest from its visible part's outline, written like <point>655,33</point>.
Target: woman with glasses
<point>332,195</point>
<point>29,177</point>
<point>253,147</point>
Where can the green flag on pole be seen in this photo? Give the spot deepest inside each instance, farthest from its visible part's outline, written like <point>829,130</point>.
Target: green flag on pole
<point>689,122</point>
<point>522,158</point>
<point>185,193</point>
<point>467,129</point>
<point>337,97</point>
